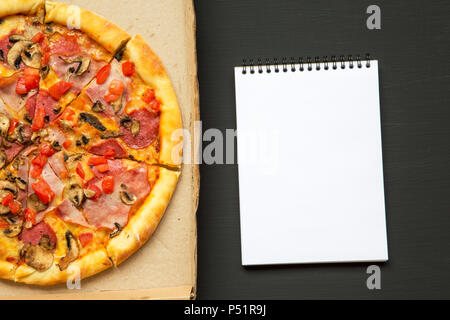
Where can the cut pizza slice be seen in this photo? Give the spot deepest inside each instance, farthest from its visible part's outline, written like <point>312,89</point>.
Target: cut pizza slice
<point>130,109</point>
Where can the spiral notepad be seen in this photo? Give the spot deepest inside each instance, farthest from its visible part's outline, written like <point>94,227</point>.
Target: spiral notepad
<point>310,161</point>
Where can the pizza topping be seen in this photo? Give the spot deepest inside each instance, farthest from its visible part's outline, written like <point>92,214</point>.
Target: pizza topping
<point>8,186</point>
<point>33,235</point>
<point>74,192</point>
<point>4,124</point>
<point>149,96</point>
<point>3,159</point>
<point>111,134</point>
<point>32,78</point>
<point>72,253</point>
<point>82,64</point>
<point>66,45</point>
<point>85,238</point>
<point>32,57</point>
<point>92,120</point>
<point>107,148</point>
<point>109,208</point>
<point>117,104</point>
<point>35,204</point>
<point>128,68</point>
<point>30,106</point>
<point>142,130</point>
<point>127,198</point>
<point>46,243</point>
<point>80,171</point>
<point>39,119</point>
<point>58,165</point>
<point>14,229</point>
<point>116,231</point>
<point>14,58</point>
<point>108,184</point>
<point>103,74</point>
<point>98,106</point>
<point>43,191</point>
<point>89,194</point>
<point>69,213</point>
<point>116,87</point>
<point>59,89</point>
<point>93,193</point>
<point>37,257</point>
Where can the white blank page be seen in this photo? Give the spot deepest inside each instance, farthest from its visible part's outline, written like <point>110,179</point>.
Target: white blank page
<point>310,166</point>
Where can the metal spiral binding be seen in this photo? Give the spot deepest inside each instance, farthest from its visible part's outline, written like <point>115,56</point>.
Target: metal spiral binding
<point>301,64</point>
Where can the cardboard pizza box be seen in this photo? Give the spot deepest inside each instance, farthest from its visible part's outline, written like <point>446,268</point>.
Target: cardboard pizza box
<point>166,266</point>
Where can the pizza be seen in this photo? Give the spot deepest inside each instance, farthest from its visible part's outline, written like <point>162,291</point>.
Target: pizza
<point>90,142</point>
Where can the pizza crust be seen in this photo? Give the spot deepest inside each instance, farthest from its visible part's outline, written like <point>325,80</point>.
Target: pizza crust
<point>151,70</point>
<point>89,265</point>
<point>7,270</point>
<point>106,33</point>
<point>144,222</point>
<point>28,7</point>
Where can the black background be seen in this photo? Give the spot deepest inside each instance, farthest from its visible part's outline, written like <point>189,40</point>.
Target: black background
<point>413,50</point>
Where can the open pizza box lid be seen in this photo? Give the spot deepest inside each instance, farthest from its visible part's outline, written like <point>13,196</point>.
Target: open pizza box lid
<point>166,266</point>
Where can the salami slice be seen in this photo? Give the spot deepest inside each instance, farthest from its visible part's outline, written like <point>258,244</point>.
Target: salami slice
<point>34,235</point>
<point>148,129</point>
<point>44,100</point>
<point>107,146</point>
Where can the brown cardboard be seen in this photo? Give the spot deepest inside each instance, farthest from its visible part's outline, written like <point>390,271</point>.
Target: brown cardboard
<point>166,266</point>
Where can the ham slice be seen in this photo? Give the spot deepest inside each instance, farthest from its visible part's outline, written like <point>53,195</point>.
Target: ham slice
<point>110,209</point>
<point>55,134</point>
<point>9,95</point>
<point>97,92</point>
<point>79,82</point>
<point>58,165</point>
<point>115,167</point>
<point>69,213</point>
<point>55,184</point>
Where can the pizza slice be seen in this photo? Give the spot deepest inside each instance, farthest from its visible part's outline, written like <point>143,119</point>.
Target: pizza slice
<point>130,110</point>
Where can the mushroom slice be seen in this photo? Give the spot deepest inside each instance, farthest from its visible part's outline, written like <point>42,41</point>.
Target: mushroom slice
<point>92,120</point>
<point>46,243</point>
<point>8,186</point>
<point>83,64</point>
<point>88,193</point>
<point>73,251</point>
<point>75,193</point>
<point>21,184</point>
<point>14,229</point>
<point>17,37</point>
<point>117,105</point>
<point>4,124</point>
<point>135,127</point>
<point>116,232</point>
<point>15,53</point>
<point>38,257</point>
<point>111,134</point>
<point>127,198</point>
<point>32,57</point>
<point>2,159</point>
<point>98,107</point>
<point>45,71</point>
<point>35,204</point>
